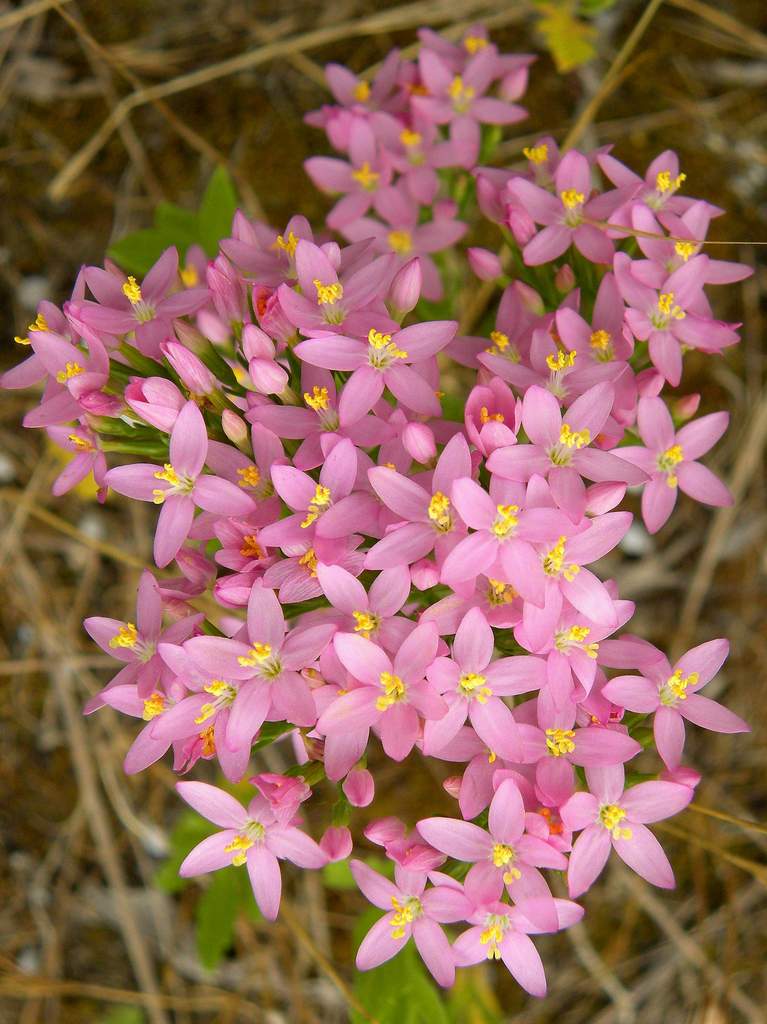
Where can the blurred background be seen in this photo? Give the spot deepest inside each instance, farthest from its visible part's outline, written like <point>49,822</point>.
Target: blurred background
<point>94,925</point>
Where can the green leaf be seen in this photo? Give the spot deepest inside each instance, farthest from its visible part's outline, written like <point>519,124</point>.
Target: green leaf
<point>400,991</point>
<point>124,1015</point>
<point>182,224</point>
<point>215,917</point>
<point>472,1000</point>
<point>269,732</point>
<point>338,875</point>
<point>136,253</point>
<point>569,40</point>
<point>216,210</point>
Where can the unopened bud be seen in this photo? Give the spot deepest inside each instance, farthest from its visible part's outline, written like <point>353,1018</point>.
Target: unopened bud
<point>418,441</point>
<point>405,289</point>
<point>359,787</point>
<point>194,374</point>
<point>235,427</point>
<point>336,842</point>
<point>484,263</point>
<point>452,785</point>
<point>268,377</point>
<point>564,279</point>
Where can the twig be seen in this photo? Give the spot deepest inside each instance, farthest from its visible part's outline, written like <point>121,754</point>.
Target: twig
<point>14,18</point>
<point>743,33</point>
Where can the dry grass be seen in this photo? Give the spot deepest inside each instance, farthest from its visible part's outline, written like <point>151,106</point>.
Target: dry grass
<point>81,927</point>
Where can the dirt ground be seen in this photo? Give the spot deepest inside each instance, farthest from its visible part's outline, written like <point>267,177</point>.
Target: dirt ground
<point>84,934</point>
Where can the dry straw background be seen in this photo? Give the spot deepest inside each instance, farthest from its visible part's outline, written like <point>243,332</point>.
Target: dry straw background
<point>106,108</point>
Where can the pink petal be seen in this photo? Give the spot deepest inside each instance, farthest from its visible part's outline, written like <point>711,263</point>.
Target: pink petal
<point>378,946</point>
<point>435,950</point>
<point>708,714</point>
<point>296,846</point>
<point>589,856</point>
<point>459,839</point>
<point>473,647</point>
<point>265,878</point>
<point>360,394</point>
<point>700,483</point>
<point>524,962</point>
<point>212,803</point>
<point>654,801</point>
<point>644,854</point>
<point>173,525</point>
<point>376,889</point>
<point>506,821</point>
<point>266,623</point>
<point>189,441</point>
<point>209,855</point>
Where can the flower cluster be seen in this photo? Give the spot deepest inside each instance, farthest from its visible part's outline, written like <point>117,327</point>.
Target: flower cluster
<point>398,567</point>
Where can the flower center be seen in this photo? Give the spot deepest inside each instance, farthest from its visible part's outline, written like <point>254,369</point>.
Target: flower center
<point>309,561</point>
<point>257,656</point>
<point>685,250</point>
<point>675,687</point>
<point>405,912</point>
<point>319,504</point>
<point>154,705</point>
<point>611,816</point>
<point>250,547</point>
<point>572,201</point>
<point>492,935</point>
<point>382,351</point>
<point>366,177</point>
<point>177,484</point>
<point>362,92</point>
<point>328,294</point>
<point>559,365</point>
<point>70,370</point>
<point>286,245</point>
<point>667,185</point>
<point>554,562</point>
<point>439,512</point>
<point>225,695</point>
<point>566,639</point>
<point>536,154</point>
<point>485,416</point>
<point>668,461</point>
<point>132,292</point>
<point>506,521</point>
<point>401,242</point>
<point>560,741</point>
<point>474,43</point>
<point>126,636</point>
<point>499,593</point>
<point>252,833</point>
<point>460,94</point>
<point>502,346</point>
<point>366,623</point>
<point>602,345</point>
<point>666,311</point>
<point>250,476</point>
<point>472,686</point>
<point>503,857</point>
<point>574,438</point>
<point>393,691</point>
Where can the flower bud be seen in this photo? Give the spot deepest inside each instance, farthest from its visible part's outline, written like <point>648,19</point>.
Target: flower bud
<point>194,374</point>
<point>384,830</point>
<point>564,279</point>
<point>98,404</point>
<point>531,300</point>
<point>521,224</point>
<point>405,289</point>
<point>267,376</point>
<point>156,400</point>
<point>685,407</point>
<point>484,263</point>
<point>336,842</point>
<point>359,787</point>
<point>418,441</point>
<point>424,574</point>
<point>452,785</point>
<point>235,427</point>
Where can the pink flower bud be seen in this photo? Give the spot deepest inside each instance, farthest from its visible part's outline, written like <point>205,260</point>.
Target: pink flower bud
<point>256,344</point>
<point>99,404</point>
<point>384,830</point>
<point>521,224</point>
<point>452,785</point>
<point>198,569</point>
<point>484,263</point>
<point>564,278</point>
<point>193,372</point>
<point>686,406</point>
<point>235,427</point>
<point>359,787</point>
<point>268,377</point>
<point>156,400</point>
<point>213,327</point>
<point>227,291</point>
<point>424,574</point>
<point>418,441</point>
<point>336,842</point>
<point>189,336</point>
<point>405,289</point>
<point>271,315</point>
<point>531,300</point>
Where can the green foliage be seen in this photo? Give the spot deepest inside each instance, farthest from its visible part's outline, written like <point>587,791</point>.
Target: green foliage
<point>568,37</point>
<point>337,875</point>
<point>124,1015</point>
<point>218,908</point>
<point>173,225</point>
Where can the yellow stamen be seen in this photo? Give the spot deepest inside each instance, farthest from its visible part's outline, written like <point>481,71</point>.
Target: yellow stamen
<point>309,561</point>
<point>126,636</point>
<point>574,438</point>
<point>40,324</point>
<point>394,691</point>
<point>362,92</point>
<point>505,521</point>
<point>401,242</point>
<point>366,623</point>
<point>382,343</point>
<point>460,94</point>
<point>439,512</point>
<point>487,417</point>
<point>82,443</point>
<point>554,562</point>
<point>473,44</point>
<point>560,741</point>
<point>664,183</point>
<point>675,688</point>
<point>327,294</point>
<point>132,291</point>
<point>600,340</point>
<point>536,154</point>
<point>208,737</point>
<point>404,914</point>
<point>574,637</point>
<point>154,705</point>
<point>287,245</point>
<point>317,505</point>
<point>571,198</point>
<point>410,138</point>
<point>239,846</point>
<point>561,361</point>
<point>472,685</point>
<point>189,276</point>
<point>168,473</point>
<point>685,249</point>
<point>250,476</point>
<point>668,461</point>
<point>318,399</point>
<point>503,855</point>
<point>492,935</point>
<point>257,655</point>
<point>668,310</point>
<point>499,593</point>
<point>610,815</point>
<point>366,177</point>
<point>70,370</point>
<point>250,547</point>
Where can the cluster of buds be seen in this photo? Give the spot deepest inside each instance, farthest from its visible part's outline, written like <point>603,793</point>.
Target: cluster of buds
<point>394,580</point>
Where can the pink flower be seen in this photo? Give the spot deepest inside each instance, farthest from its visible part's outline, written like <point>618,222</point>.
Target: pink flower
<point>255,837</point>
<point>669,458</point>
<point>370,613</point>
<point>413,911</point>
<point>610,816</point>
<point>672,694</point>
<point>180,486</point>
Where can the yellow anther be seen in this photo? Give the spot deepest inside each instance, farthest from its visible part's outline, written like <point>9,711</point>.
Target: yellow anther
<point>250,476</point>
<point>250,547</point>
<point>365,623</point>
<point>506,520</point>
<point>318,399</point>
<point>70,370</point>
<point>668,309</point>
<point>536,154</point>
<point>492,935</point>
<point>492,757</point>
<point>500,340</point>
<point>499,593</point>
<point>460,94</point>
<point>600,340</point>
<point>366,177</point>
<point>405,913</point>
<point>400,242</point>
<point>472,44</point>
<point>611,816</point>
<point>554,562</point>
<point>574,438</point>
<point>154,705</point>
<point>560,741</point>
<point>168,473</point>
<point>472,685</point>
<point>439,512</point>
<point>126,636</point>
<point>685,249</point>
<point>257,655</point>
<point>665,184</point>
<point>82,443</point>
<point>675,687</point>
<point>574,637</point>
<point>487,417</point>
<point>132,291</point>
<point>239,847</point>
<point>40,324</point>
<point>668,461</point>
<point>287,245</point>
<point>393,691</point>
<point>158,496</point>
<point>362,91</point>
<point>384,349</point>
<point>410,138</point>
<point>327,294</point>
<point>317,505</point>
<point>224,693</point>
<point>503,855</point>
<point>208,737</point>
<point>561,361</point>
<point>189,276</point>
<point>571,198</point>
<point>309,561</point>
